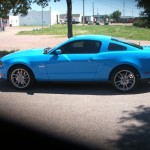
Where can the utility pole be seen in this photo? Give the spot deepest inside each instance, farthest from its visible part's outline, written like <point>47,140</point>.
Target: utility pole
<point>0,19</point>
<point>50,17</point>
<point>42,17</point>
<point>1,24</point>
<point>83,12</point>
<point>97,11</point>
<point>123,7</point>
<point>93,12</point>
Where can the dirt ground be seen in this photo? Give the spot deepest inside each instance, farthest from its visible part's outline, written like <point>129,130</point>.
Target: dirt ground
<point>10,41</point>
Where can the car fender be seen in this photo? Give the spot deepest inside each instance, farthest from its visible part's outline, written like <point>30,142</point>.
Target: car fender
<point>106,66</point>
<point>13,62</point>
<point>39,71</point>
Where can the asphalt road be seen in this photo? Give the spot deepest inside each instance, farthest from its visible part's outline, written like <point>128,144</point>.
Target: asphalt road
<point>74,116</point>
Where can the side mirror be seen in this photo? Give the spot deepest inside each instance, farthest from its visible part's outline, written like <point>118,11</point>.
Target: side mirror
<point>58,51</point>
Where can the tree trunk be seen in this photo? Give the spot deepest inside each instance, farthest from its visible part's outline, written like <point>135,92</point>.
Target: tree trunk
<point>69,18</point>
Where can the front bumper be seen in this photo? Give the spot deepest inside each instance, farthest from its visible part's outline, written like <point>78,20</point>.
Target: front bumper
<point>2,73</point>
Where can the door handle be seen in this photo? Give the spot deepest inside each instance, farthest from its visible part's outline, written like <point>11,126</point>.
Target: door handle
<point>91,59</point>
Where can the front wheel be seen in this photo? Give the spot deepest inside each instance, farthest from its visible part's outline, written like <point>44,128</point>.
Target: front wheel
<point>21,77</point>
<point>124,79</point>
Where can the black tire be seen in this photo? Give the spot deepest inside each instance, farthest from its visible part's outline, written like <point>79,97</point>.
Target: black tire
<point>125,79</point>
<point>21,77</point>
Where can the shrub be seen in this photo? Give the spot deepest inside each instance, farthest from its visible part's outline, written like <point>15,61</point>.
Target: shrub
<point>142,23</point>
<point>5,52</point>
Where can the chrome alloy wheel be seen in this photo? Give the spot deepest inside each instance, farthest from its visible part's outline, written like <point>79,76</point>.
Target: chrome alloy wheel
<point>20,78</point>
<point>124,80</point>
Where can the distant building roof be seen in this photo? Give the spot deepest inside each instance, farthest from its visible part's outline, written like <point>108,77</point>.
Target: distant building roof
<point>65,15</point>
<point>98,16</point>
<point>126,17</point>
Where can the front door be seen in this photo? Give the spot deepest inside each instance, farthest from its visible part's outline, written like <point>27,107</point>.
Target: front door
<point>76,63</point>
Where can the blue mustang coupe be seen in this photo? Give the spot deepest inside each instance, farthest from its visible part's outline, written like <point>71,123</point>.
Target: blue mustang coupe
<point>81,58</point>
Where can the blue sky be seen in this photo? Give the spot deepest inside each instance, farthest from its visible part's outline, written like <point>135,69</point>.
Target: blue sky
<point>100,6</point>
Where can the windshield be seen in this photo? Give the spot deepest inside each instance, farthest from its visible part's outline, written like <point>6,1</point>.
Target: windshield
<point>128,43</point>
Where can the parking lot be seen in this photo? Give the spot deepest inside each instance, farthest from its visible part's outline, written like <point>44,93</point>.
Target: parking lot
<point>75,116</point>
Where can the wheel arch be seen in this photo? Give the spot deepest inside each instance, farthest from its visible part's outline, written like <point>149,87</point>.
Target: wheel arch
<point>123,66</point>
<point>19,65</point>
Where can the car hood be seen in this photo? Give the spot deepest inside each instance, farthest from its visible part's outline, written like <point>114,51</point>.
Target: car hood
<point>22,53</point>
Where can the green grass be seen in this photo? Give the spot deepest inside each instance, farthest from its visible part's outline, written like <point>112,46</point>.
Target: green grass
<point>127,32</point>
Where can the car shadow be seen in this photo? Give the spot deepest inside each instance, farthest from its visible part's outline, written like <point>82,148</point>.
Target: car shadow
<point>74,88</point>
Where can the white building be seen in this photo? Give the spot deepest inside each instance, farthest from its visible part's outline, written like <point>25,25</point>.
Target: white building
<point>40,18</point>
<point>35,18</point>
<point>75,17</point>
<point>87,19</point>
<point>13,20</point>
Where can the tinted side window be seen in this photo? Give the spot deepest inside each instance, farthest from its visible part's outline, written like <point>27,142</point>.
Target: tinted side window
<point>116,47</point>
<point>81,47</point>
<point>91,46</point>
<point>67,48</point>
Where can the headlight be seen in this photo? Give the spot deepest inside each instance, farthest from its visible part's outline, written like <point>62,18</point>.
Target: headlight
<point>1,64</point>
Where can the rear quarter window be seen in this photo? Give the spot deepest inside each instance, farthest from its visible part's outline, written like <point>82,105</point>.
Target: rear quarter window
<point>116,47</point>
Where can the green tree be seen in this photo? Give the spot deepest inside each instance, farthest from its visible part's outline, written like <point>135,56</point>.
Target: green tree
<point>116,15</point>
<point>42,3</point>
<point>18,6</point>
<point>22,7</point>
<point>146,5</point>
<point>69,18</point>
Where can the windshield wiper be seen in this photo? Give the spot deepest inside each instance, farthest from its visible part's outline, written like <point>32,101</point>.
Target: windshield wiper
<point>46,50</point>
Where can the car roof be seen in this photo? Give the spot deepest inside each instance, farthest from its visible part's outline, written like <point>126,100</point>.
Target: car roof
<point>91,37</point>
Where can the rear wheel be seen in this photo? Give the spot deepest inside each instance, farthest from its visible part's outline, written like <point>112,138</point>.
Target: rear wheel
<point>124,79</point>
<point>21,77</point>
